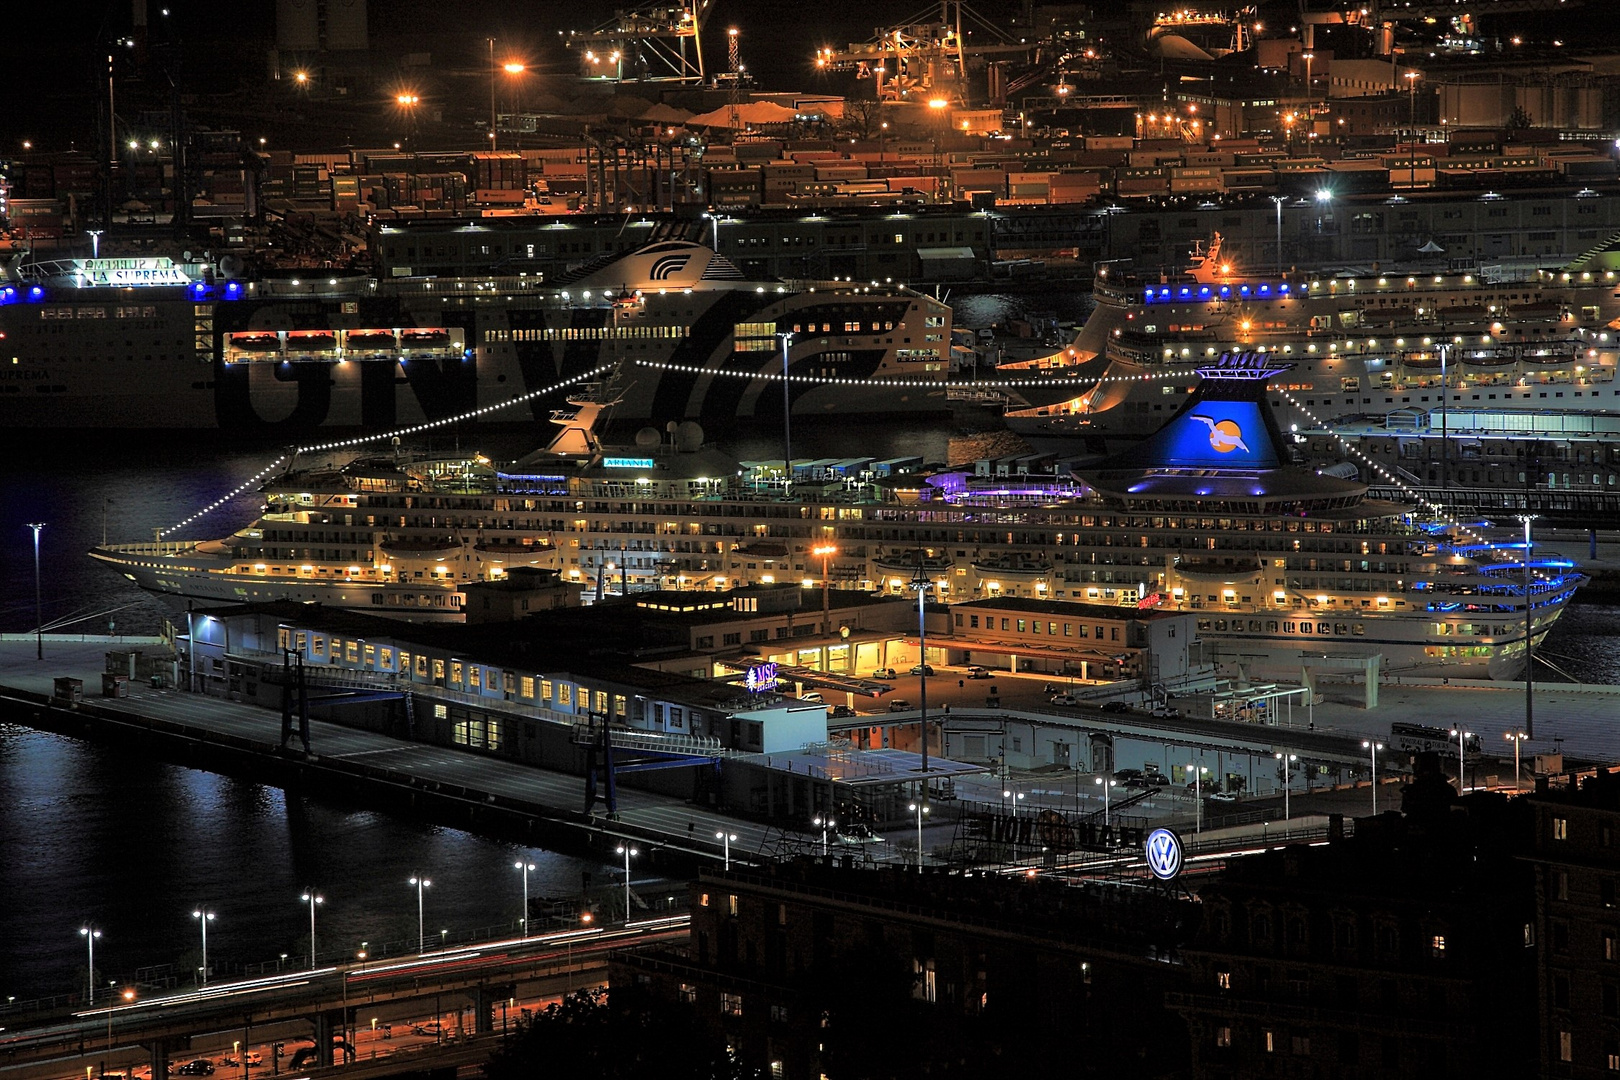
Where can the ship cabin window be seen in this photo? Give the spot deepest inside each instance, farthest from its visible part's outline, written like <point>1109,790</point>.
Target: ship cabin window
<point>438,671</point>
<point>455,671</point>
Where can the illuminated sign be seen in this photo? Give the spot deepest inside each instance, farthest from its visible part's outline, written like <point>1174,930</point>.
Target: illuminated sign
<point>1224,435</point>
<point>628,462</point>
<point>150,271</point>
<point>1163,849</point>
<point>760,678</point>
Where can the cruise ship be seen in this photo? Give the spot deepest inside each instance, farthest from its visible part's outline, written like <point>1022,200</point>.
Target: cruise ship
<point>122,343</point>
<point>1209,515</point>
<point>1352,343</point>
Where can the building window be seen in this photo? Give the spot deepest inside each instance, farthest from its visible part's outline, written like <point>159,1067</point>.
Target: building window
<point>1561,884</point>
<point>689,993</point>
<point>1560,831</point>
<point>1437,946</point>
<point>731,903</point>
<point>1302,1045</point>
<point>1223,1036</point>
<point>1223,980</point>
<point>730,1004</point>
<point>1269,1040</point>
<point>1608,945</point>
<point>1566,1046</point>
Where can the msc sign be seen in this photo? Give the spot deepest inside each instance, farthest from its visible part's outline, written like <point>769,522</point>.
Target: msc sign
<point>760,678</point>
<point>1163,849</point>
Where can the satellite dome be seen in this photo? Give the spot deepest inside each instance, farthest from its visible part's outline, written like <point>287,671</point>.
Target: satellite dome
<point>648,437</point>
<point>689,436</point>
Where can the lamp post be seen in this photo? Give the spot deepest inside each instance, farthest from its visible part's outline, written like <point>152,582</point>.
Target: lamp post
<point>824,824</point>
<point>727,838</point>
<point>716,219</point>
<point>1106,784</point>
<point>39,618</point>
<point>921,810</point>
<point>409,102</point>
<point>1308,57</point>
<point>1373,748</point>
<point>826,551</point>
<point>1411,123</point>
<point>492,138</point>
<point>1279,200</point>
<point>1286,763</point>
<point>1517,739</point>
<point>311,897</point>
<point>626,850</point>
<point>90,934</point>
<point>420,883</point>
<point>514,100</point>
<point>203,917</point>
<point>1445,436</point>
<point>920,583</point>
<point>1529,631</point>
<point>525,866</point>
<point>1461,760</point>
<point>1198,795</point>
<point>787,415</point>
<point>1014,796</point>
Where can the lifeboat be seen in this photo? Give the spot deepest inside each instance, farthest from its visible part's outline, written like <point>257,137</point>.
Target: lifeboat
<point>427,338</point>
<point>370,340</point>
<point>1016,568</point>
<point>515,547</point>
<point>419,545</point>
<point>311,341</point>
<point>261,342</point>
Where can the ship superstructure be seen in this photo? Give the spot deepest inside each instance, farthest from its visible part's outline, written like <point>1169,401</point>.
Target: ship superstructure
<point>1209,515</point>
<point>149,343</point>
<point>1355,343</point>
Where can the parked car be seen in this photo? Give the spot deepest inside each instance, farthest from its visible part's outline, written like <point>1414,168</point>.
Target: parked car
<point>1221,797</point>
<point>197,1067</point>
<point>900,705</point>
<point>974,671</point>
<point>1156,779</point>
<point>1065,699</point>
<point>1122,775</point>
<point>813,697</point>
<point>1165,712</point>
<point>838,712</point>
<point>1115,706</point>
<point>885,673</point>
<point>921,669</point>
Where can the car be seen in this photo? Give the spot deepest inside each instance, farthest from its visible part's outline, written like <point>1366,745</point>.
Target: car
<point>1125,775</point>
<point>813,698</point>
<point>921,669</point>
<point>1115,706</point>
<point>1221,797</point>
<point>885,673</point>
<point>839,712</point>
<point>432,1027</point>
<point>197,1067</point>
<point>1156,779</point>
<point>900,705</point>
<point>974,671</point>
<point>1065,699</point>
<point>1165,712</point>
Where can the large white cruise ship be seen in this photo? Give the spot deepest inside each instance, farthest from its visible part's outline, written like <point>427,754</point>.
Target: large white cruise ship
<point>1208,515</point>
<point>1354,343</point>
<point>150,343</point>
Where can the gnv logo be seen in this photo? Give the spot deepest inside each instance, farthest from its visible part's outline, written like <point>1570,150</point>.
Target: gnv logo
<point>667,267</point>
<point>1164,854</point>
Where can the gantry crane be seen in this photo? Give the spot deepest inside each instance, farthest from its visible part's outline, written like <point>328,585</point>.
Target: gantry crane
<point>926,56</point>
<point>657,42</point>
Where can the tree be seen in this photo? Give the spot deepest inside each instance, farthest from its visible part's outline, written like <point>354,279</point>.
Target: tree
<point>862,117</point>
<point>1520,120</point>
<point>635,1035</point>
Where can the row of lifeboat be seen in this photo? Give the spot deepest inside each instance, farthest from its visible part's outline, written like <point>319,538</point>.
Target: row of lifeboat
<point>331,341</point>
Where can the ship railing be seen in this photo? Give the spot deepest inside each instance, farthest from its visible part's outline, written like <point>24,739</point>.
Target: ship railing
<point>160,547</point>
<point>625,738</point>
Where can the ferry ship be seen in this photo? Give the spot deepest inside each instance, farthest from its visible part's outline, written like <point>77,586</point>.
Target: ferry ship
<point>152,343</point>
<point>1208,515</point>
<point>1352,343</point>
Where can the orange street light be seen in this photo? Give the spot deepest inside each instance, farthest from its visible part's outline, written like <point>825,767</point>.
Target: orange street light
<point>513,67</point>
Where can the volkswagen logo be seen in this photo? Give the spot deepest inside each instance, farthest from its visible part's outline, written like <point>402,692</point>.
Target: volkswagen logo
<point>1164,854</point>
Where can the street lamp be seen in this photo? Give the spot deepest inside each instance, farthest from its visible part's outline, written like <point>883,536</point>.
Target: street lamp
<point>921,584</point>
<point>1198,795</point>
<point>1461,762</point>
<point>1014,796</point>
<point>824,824</point>
<point>525,867</point>
<point>1279,200</point>
<point>1308,57</point>
<point>716,219</point>
<point>1106,784</point>
<point>90,934</point>
<point>311,897</point>
<point>203,917</point>
<point>420,883</point>
<point>39,618</point>
<point>728,838</point>
<point>1529,630</point>
<point>626,850</point>
<point>1411,123</point>
<point>1518,740</point>
<point>492,139</point>
<point>826,551</point>
<point>1286,763</point>
<point>921,810</point>
<point>1373,748</point>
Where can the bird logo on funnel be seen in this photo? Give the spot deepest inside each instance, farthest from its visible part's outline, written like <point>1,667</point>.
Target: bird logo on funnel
<point>1224,435</point>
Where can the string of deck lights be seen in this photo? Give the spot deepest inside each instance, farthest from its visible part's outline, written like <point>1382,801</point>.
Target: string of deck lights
<point>1439,509</point>
<point>918,384</point>
<point>397,433</point>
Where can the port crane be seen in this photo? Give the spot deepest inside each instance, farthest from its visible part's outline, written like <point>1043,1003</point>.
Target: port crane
<point>927,56</point>
<point>656,42</point>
